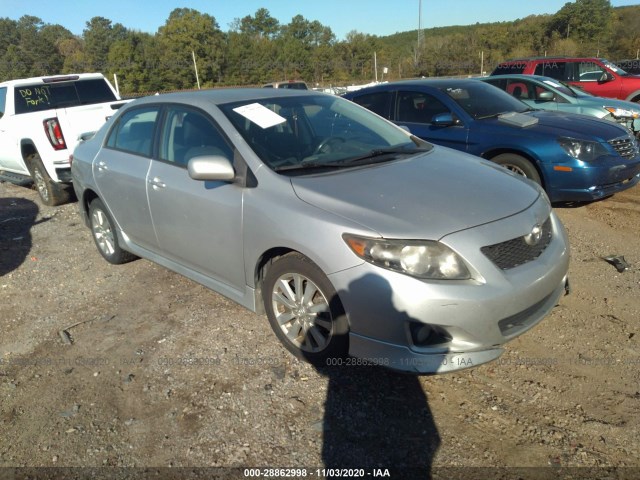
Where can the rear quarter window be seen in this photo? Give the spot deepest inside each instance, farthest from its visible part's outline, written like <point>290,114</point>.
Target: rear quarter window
<point>41,96</point>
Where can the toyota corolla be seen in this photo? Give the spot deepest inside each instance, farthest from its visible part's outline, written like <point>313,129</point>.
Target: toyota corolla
<point>352,236</point>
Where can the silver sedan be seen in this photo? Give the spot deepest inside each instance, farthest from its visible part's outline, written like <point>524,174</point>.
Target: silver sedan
<point>361,243</point>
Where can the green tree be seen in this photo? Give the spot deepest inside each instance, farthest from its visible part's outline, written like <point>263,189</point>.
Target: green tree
<point>99,35</point>
<point>587,22</point>
<point>186,31</point>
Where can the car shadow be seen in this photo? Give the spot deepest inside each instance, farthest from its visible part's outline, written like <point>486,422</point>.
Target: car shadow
<point>374,417</point>
<point>17,216</point>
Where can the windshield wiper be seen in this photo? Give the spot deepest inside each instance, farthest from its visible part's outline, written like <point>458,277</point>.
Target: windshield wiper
<point>374,156</point>
<point>378,153</point>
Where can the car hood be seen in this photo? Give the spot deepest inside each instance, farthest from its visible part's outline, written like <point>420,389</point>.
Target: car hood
<point>582,127</point>
<point>423,197</point>
<point>607,102</point>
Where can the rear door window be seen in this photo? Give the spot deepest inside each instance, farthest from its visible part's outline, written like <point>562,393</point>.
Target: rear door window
<point>553,69</point>
<point>134,131</point>
<point>379,102</point>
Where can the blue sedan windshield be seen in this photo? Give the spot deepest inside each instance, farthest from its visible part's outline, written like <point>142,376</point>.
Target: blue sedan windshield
<point>481,100</point>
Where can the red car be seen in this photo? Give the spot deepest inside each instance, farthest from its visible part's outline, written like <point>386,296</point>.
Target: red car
<point>596,76</point>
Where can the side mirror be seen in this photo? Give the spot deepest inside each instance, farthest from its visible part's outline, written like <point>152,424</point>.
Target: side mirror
<point>211,167</point>
<point>443,120</point>
<point>546,97</point>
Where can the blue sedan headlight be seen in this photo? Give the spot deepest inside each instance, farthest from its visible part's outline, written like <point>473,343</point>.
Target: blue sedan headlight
<point>425,259</point>
<point>583,150</point>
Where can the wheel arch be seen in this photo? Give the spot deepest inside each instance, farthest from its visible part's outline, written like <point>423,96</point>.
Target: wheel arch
<point>27,149</point>
<point>634,97</point>
<point>260,269</point>
<point>491,154</point>
<point>87,197</point>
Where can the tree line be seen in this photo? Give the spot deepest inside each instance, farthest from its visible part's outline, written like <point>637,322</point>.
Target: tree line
<point>258,48</point>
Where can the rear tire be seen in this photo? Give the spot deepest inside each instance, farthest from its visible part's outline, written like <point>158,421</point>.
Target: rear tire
<point>52,193</point>
<point>519,165</point>
<point>105,235</point>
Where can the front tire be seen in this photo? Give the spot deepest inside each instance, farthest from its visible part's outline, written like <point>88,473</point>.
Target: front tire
<point>51,193</point>
<point>105,236</point>
<point>304,310</point>
<point>519,165</point>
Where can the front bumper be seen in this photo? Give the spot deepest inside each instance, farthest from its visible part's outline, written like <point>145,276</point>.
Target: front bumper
<point>591,181</point>
<point>466,322</point>
<point>404,358</point>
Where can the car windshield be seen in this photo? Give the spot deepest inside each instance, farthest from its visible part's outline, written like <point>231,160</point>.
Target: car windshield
<point>560,86</point>
<point>481,100</point>
<point>616,69</point>
<point>315,131</point>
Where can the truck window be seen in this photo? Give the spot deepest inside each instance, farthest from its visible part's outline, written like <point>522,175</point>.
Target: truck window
<point>35,98</point>
<point>552,68</point>
<point>3,100</point>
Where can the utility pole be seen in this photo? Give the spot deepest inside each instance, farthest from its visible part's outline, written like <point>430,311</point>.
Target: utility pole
<point>195,66</point>
<point>419,44</point>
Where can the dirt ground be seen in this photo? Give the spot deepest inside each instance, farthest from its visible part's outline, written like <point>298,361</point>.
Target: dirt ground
<point>157,371</point>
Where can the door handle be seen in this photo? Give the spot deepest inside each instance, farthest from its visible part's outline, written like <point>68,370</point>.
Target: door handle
<point>102,166</point>
<point>156,183</point>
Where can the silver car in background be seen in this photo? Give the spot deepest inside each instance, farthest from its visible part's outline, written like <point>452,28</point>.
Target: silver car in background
<point>354,237</point>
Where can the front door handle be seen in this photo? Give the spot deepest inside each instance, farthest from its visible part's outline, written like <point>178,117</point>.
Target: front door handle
<point>156,183</point>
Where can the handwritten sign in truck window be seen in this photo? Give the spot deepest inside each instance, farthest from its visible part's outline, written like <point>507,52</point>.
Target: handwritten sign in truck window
<point>32,98</point>
<point>35,98</point>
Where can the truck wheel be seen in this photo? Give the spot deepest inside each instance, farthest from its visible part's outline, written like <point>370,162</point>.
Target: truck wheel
<point>105,236</point>
<point>517,164</point>
<point>51,193</point>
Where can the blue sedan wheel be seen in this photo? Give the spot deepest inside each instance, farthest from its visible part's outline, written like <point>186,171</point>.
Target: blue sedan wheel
<point>519,165</point>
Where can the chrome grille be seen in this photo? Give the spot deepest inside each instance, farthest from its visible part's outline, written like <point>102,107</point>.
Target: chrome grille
<point>626,146</point>
<point>517,251</point>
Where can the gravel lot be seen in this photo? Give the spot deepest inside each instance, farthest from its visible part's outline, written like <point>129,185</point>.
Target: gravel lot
<point>162,372</point>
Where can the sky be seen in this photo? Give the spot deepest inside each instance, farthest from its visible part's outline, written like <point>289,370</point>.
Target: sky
<point>375,17</point>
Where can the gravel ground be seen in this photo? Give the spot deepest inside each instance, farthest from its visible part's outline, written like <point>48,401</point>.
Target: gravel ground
<point>154,370</point>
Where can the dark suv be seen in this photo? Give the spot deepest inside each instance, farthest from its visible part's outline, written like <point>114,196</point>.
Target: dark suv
<point>596,76</point>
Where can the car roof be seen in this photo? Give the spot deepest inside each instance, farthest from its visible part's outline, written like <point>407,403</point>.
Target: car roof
<point>545,59</point>
<point>221,96</point>
<point>520,76</point>
<point>425,82</point>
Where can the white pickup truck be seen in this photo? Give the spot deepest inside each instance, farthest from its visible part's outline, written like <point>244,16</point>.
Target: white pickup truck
<point>41,120</point>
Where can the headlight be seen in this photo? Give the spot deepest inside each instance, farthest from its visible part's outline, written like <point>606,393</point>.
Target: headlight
<point>622,112</point>
<point>424,259</point>
<point>582,149</point>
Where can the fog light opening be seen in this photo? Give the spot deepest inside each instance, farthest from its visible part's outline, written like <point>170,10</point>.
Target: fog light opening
<point>423,335</point>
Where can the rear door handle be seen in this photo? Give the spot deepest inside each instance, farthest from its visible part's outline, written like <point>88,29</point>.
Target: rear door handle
<point>156,183</point>
<point>102,166</point>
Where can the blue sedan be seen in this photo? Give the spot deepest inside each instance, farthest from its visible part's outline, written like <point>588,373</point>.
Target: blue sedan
<point>574,157</point>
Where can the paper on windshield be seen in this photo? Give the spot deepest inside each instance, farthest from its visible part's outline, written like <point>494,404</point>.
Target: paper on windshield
<point>260,115</point>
